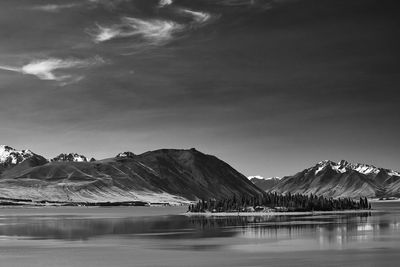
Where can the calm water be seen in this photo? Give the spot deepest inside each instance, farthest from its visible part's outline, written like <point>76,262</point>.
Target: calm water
<point>142,236</point>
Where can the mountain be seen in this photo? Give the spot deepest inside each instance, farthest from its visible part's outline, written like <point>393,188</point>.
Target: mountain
<point>166,175</point>
<point>20,159</point>
<point>265,184</point>
<point>71,157</point>
<point>342,179</point>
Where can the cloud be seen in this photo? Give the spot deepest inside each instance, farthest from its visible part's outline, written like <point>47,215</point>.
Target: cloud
<point>55,7</point>
<point>154,31</point>
<point>103,34</point>
<point>164,3</point>
<point>49,69</point>
<point>108,4</point>
<point>198,17</point>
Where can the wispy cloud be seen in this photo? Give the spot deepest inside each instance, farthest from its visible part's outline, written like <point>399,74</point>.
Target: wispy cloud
<point>54,68</point>
<point>154,31</point>
<point>164,3</point>
<point>55,7</point>
<point>102,34</point>
<point>198,17</point>
<point>108,4</point>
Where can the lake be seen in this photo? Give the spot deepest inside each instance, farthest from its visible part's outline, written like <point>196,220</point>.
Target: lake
<point>161,236</point>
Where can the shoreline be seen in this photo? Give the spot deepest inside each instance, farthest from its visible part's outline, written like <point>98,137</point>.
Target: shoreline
<point>377,200</point>
<point>260,214</point>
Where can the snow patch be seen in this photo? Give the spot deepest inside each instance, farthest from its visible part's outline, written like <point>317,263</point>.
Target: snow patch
<point>13,156</point>
<point>255,176</point>
<point>126,154</point>
<point>262,178</point>
<point>345,166</point>
<point>319,169</point>
<point>393,173</point>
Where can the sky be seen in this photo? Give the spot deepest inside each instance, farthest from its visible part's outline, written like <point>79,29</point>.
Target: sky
<point>269,86</point>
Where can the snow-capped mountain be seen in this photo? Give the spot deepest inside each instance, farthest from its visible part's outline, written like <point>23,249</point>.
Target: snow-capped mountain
<point>72,157</point>
<point>13,160</point>
<point>342,179</point>
<point>10,156</point>
<point>345,166</point>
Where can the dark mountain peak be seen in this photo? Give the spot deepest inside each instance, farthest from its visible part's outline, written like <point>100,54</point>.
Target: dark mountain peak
<point>176,150</point>
<point>173,152</point>
<point>70,157</point>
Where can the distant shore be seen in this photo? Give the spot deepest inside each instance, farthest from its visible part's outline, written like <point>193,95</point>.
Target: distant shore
<point>249,214</point>
<point>377,200</point>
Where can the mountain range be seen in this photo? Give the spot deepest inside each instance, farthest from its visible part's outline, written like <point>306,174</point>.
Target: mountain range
<point>162,176</point>
<point>341,179</point>
<point>174,176</point>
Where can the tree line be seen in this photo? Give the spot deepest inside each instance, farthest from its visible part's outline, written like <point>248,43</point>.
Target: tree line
<point>278,202</point>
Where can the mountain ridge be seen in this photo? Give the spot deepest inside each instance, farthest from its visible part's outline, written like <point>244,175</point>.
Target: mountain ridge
<point>342,179</point>
<point>175,175</point>
<point>164,175</point>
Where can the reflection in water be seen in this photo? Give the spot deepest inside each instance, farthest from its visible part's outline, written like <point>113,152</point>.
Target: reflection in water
<point>327,231</point>
<point>145,237</point>
<point>320,231</point>
<point>77,228</point>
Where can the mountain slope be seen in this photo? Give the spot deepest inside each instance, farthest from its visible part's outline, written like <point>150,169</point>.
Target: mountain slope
<point>265,184</point>
<point>342,179</point>
<point>166,175</point>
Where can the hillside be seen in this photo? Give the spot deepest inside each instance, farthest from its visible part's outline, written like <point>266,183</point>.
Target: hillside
<point>166,175</point>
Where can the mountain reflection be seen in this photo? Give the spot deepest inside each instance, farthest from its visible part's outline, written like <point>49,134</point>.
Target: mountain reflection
<point>327,230</point>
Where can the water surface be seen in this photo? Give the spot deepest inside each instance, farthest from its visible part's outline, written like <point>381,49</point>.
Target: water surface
<point>161,236</point>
